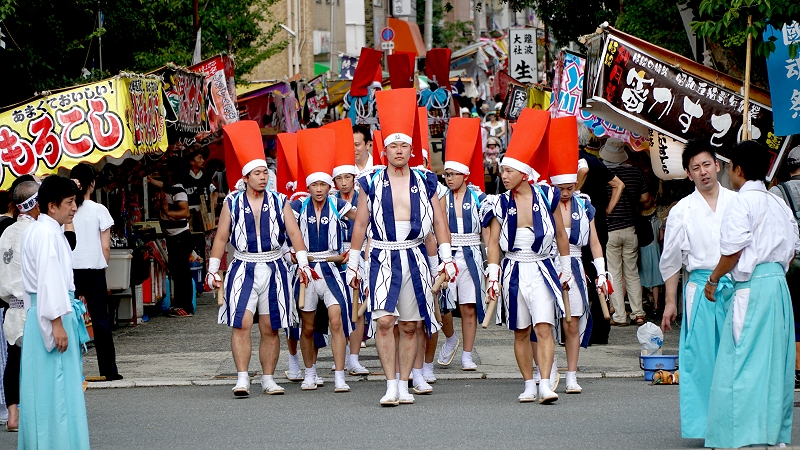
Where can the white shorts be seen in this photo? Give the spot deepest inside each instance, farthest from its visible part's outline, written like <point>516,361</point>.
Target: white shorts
<point>464,286</point>
<point>535,302</point>
<point>259,295</point>
<point>407,309</point>
<point>316,290</point>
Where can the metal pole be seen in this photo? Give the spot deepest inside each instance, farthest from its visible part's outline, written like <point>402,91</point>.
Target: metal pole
<point>100,40</point>
<point>333,55</point>
<point>428,24</point>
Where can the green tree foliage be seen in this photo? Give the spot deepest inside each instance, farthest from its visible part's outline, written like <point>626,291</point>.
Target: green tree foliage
<point>457,35</point>
<point>49,42</point>
<point>725,21</point>
<point>438,14</point>
<point>655,21</point>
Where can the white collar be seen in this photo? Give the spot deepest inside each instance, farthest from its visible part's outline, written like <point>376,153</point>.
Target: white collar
<point>753,186</point>
<point>197,175</point>
<point>49,221</point>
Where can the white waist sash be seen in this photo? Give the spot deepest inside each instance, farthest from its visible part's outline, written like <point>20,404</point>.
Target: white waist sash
<point>464,239</point>
<point>575,251</point>
<point>526,256</point>
<point>396,245</point>
<point>260,257</point>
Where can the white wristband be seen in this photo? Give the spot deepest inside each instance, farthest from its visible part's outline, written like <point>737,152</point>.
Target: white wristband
<point>493,272</point>
<point>434,262</point>
<point>302,258</point>
<point>566,264</point>
<point>600,265</point>
<point>213,265</point>
<point>353,260</point>
<point>445,252</point>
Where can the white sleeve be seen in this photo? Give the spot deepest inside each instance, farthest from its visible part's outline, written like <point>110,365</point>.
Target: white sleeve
<point>106,221</point>
<point>582,164</point>
<point>737,233</point>
<point>52,289</point>
<point>675,243</point>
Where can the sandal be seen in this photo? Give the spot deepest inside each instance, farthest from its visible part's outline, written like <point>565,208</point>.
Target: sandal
<point>619,324</point>
<point>639,320</point>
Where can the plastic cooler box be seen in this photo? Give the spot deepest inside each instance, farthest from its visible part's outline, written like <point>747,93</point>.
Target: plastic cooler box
<point>118,274</point>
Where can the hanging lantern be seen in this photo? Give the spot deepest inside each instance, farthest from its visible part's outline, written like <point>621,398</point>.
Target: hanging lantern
<point>665,156</point>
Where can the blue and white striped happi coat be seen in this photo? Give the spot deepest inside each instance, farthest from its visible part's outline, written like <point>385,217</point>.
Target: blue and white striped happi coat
<point>323,237</point>
<point>369,326</point>
<point>504,209</point>
<point>240,277</point>
<point>470,224</point>
<point>385,266</point>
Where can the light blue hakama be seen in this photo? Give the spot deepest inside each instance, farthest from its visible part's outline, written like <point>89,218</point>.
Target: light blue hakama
<point>698,350</point>
<point>52,405</point>
<point>752,393</point>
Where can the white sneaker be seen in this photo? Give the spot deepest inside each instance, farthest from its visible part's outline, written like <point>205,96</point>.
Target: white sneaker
<point>422,388</point>
<point>527,397</point>
<point>406,399</point>
<point>343,387</point>
<point>546,395</point>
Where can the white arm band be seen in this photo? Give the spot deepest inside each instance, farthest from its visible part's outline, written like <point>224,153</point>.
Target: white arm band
<point>213,265</point>
<point>600,265</point>
<point>302,258</point>
<point>353,260</point>
<point>445,252</point>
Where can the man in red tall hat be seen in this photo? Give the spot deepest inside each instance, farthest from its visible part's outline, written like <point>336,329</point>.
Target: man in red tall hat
<point>256,222</point>
<point>320,218</point>
<point>577,213</point>
<point>461,204</point>
<point>523,224</point>
<point>399,206</point>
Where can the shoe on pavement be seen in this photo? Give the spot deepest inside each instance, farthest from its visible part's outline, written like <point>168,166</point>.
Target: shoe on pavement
<point>445,357</point>
<point>341,388</point>
<point>527,397</point>
<point>294,376</point>
<point>406,399</point>
<point>546,395</point>
<point>422,388</point>
<point>359,370</point>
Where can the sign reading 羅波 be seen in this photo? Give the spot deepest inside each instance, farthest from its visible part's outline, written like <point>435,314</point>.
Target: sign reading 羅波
<point>685,107</point>
<point>522,54</point>
<point>784,79</point>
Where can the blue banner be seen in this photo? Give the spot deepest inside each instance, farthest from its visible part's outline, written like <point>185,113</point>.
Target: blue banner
<point>784,79</point>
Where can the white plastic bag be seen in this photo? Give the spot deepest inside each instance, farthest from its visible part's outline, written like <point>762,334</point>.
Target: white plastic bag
<point>651,338</point>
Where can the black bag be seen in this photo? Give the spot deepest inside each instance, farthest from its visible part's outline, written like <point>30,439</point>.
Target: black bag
<point>644,231</point>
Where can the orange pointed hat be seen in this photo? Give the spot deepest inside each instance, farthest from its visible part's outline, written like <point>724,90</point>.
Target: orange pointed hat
<point>563,150</point>
<point>316,164</point>
<point>367,70</point>
<point>378,154</point>
<point>287,163</point>
<point>396,114</point>
<point>464,153</point>
<point>344,160</point>
<point>244,138</point>
<point>421,143</point>
<point>526,140</point>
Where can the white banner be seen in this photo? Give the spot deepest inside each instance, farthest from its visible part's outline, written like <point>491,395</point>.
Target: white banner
<point>522,55</point>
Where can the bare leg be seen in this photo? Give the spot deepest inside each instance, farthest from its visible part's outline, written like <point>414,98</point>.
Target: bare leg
<point>307,338</point>
<point>422,341</point>
<point>655,290</point>
<point>397,350</point>
<point>240,343</point>
<point>385,341</point>
<point>430,344</point>
<point>535,350</point>
<point>292,343</point>
<point>545,347</point>
<point>523,353</point>
<point>572,343</point>
<point>447,324</point>
<point>339,343</point>
<point>469,325</point>
<point>356,337</point>
<point>408,348</point>
<point>13,416</point>
<point>270,347</point>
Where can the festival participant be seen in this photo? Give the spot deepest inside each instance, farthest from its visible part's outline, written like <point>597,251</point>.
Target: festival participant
<point>692,238</point>
<point>752,393</point>
<point>523,225</point>
<point>256,222</point>
<point>398,205</point>
<point>463,173</point>
<point>53,412</point>
<point>577,214</point>
<point>319,217</point>
<point>362,141</point>
<point>344,174</point>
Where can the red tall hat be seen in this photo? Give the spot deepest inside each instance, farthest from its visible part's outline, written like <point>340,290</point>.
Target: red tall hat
<point>437,66</point>
<point>421,143</point>
<point>563,150</point>
<point>315,155</point>
<point>464,153</point>
<point>396,114</point>
<point>526,140</point>
<point>368,64</point>
<point>401,69</point>
<point>287,163</point>
<point>378,154</point>
<point>243,138</point>
<point>344,160</point>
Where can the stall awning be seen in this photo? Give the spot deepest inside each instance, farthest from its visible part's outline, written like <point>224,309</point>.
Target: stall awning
<point>407,37</point>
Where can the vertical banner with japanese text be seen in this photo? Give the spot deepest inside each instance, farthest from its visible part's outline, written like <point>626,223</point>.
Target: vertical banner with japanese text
<point>784,79</point>
<point>522,64</point>
<point>220,91</point>
<point>643,89</point>
<point>84,124</point>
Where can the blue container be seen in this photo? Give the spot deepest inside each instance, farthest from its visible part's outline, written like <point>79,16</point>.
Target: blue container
<point>653,363</point>
<point>197,275</point>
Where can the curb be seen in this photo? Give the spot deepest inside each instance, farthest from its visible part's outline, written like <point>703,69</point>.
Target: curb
<point>148,382</point>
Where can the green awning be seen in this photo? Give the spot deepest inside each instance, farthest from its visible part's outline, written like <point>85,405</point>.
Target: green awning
<point>320,68</point>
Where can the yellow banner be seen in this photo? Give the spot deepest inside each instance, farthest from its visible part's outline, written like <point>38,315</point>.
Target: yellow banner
<point>85,124</point>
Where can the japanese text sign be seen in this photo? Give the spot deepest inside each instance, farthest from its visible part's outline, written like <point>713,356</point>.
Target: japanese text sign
<point>673,102</point>
<point>220,91</point>
<point>86,123</point>
<point>784,79</point>
<point>522,54</point>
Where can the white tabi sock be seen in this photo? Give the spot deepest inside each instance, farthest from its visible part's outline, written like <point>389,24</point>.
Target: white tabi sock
<point>403,388</point>
<point>267,380</point>
<point>417,376</point>
<point>347,349</point>
<point>466,357</point>
<point>451,341</point>
<point>530,386</point>
<point>353,360</point>
<point>243,379</point>
<point>427,368</point>
<point>294,363</point>
<point>391,387</point>
<point>338,377</point>
<point>572,378</point>
<point>311,373</point>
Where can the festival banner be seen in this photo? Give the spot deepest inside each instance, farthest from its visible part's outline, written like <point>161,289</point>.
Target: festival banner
<point>568,97</point>
<point>642,89</point>
<point>347,66</point>
<point>219,90</point>
<point>784,79</point>
<point>84,124</point>
<point>183,100</point>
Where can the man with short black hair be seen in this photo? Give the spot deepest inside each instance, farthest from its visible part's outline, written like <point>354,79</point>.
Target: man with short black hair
<point>362,139</point>
<point>789,190</point>
<point>752,396</point>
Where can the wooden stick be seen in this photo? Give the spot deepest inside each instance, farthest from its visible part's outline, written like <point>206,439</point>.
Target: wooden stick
<point>747,67</point>
<point>356,305</point>
<point>301,301</point>
<point>362,309</point>
<point>565,298</point>
<point>437,286</point>
<point>338,259</point>
<point>221,288</point>
<point>603,305</point>
<point>489,313</point>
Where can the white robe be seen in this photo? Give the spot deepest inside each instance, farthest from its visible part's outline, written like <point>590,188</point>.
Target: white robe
<point>11,277</point>
<point>47,272</point>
